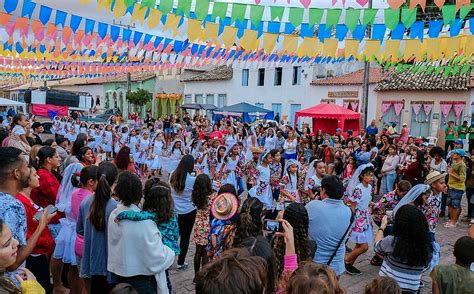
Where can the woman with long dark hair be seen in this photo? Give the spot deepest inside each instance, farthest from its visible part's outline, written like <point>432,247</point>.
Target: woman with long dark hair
<point>249,223</point>
<point>122,160</point>
<point>94,212</point>
<point>414,171</point>
<point>297,216</point>
<point>409,251</point>
<point>182,182</point>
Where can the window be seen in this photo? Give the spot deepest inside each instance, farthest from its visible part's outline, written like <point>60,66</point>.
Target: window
<point>293,109</point>
<point>210,99</point>
<point>296,75</point>
<point>261,77</point>
<point>245,77</point>
<point>260,105</point>
<point>188,99</point>
<point>199,98</point>
<point>221,100</point>
<point>278,76</point>
<point>276,108</point>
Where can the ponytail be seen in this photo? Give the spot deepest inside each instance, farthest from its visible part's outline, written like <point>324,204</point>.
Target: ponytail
<point>107,173</point>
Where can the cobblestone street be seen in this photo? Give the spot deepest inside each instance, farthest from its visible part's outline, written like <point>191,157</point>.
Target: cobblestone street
<point>183,280</point>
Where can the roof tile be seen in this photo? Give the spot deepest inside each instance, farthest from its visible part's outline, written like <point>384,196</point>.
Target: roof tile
<point>353,78</point>
<point>223,72</point>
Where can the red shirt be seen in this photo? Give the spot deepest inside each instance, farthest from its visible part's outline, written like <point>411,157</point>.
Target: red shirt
<point>45,244</point>
<point>46,193</point>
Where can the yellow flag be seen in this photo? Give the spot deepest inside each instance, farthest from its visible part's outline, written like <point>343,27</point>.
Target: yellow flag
<point>84,2</point>
<point>454,45</point>
<point>269,41</point>
<point>119,8</point>
<point>290,44</point>
<point>469,46</point>
<point>249,40</point>
<point>351,48</point>
<point>309,47</point>
<point>154,18</point>
<point>172,22</point>
<point>228,36</point>
<point>372,50</point>
<point>210,32</point>
<point>194,30</point>
<point>391,50</point>
<point>330,46</point>
<point>433,48</point>
<point>104,4</point>
<point>412,48</point>
<point>139,13</point>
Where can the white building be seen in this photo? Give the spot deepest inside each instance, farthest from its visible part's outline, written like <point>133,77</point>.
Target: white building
<point>284,89</point>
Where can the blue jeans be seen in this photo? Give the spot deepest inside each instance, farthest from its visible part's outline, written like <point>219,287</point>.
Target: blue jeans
<point>387,183</point>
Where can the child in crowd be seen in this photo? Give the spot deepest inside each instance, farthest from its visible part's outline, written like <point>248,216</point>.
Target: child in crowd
<point>156,162</point>
<point>456,278</point>
<point>275,173</point>
<point>385,285</point>
<point>289,184</point>
<point>201,196</point>
<point>18,134</point>
<point>262,190</point>
<point>158,206</point>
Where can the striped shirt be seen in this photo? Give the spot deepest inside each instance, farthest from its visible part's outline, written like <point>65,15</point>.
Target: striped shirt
<point>407,276</point>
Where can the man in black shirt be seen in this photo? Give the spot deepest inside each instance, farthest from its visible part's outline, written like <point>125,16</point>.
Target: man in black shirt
<point>37,129</point>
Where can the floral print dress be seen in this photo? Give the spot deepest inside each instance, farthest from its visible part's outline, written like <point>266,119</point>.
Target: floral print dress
<point>262,190</point>
<point>202,227</point>
<point>362,230</point>
<point>431,209</point>
<point>387,202</point>
<point>288,184</point>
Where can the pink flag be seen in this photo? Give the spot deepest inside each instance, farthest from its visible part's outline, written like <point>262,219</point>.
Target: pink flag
<point>416,108</point>
<point>458,108</point>
<point>10,28</point>
<point>445,108</point>
<point>386,106</point>
<point>427,108</point>
<point>398,107</point>
<point>306,3</point>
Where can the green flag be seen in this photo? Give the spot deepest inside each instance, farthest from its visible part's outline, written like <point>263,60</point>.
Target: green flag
<point>447,71</point>
<point>277,12</point>
<point>438,70</point>
<point>256,14</point>
<point>129,3</point>
<point>332,17</point>
<point>465,69</point>
<point>315,15</point>
<point>455,70</point>
<point>184,7</point>
<point>238,12</point>
<point>392,16</point>
<point>352,18</point>
<point>219,10</point>
<point>399,67</point>
<point>296,16</point>
<point>422,69</point>
<point>369,16</point>
<point>465,10</point>
<point>449,13</point>
<point>430,70</point>
<point>202,9</point>
<point>148,3</point>
<point>166,6</point>
<point>408,16</point>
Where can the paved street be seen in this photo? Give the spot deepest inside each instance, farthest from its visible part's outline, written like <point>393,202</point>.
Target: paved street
<point>183,280</point>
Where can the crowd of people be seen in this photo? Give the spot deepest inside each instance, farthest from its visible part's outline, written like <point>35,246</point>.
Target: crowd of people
<point>108,208</point>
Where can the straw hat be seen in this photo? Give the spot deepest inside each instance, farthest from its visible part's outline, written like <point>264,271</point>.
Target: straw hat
<point>256,150</point>
<point>224,206</point>
<point>433,177</point>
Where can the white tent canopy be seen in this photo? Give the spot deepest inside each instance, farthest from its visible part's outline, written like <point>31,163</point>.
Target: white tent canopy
<point>9,102</point>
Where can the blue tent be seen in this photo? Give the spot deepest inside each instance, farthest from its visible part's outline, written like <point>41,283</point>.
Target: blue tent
<point>246,111</point>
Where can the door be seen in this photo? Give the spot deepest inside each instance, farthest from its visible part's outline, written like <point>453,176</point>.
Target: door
<point>293,109</point>
<point>390,117</point>
<point>420,124</point>
<point>276,108</point>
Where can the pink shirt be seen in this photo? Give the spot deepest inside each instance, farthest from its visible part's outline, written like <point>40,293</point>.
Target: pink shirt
<point>76,198</point>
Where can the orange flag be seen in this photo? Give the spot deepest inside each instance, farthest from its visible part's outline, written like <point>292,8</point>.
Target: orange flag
<point>439,3</point>
<point>422,4</point>
<point>395,3</point>
<point>4,18</point>
<point>460,3</point>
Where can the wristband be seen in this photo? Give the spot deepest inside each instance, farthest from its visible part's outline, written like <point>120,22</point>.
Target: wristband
<point>380,229</point>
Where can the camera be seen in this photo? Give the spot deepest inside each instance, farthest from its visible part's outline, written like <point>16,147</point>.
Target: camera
<point>272,225</point>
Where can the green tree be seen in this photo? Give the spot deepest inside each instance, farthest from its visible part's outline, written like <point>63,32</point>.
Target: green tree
<point>139,98</point>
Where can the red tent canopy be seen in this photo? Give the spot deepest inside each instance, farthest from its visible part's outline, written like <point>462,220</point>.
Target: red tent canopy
<point>329,117</point>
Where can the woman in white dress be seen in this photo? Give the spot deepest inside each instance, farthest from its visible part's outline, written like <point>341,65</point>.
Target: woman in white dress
<point>158,146</point>
<point>262,190</point>
<point>143,152</point>
<point>133,144</point>
<point>231,137</point>
<point>175,153</point>
<point>251,141</point>
<point>270,140</point>
<point>107,141</point>
<point>231,166</point>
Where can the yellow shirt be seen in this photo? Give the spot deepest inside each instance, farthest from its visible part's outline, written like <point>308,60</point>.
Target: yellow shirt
<point>460,170</point>
<point>31,287</point>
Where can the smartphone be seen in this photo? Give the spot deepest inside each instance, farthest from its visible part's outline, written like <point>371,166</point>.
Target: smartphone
<point>272,225</point>
<point>50,208</point>
<point>286,204</point>
<point>389,214</point>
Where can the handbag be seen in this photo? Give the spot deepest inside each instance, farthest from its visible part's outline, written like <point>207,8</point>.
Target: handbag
<point>342,238</point>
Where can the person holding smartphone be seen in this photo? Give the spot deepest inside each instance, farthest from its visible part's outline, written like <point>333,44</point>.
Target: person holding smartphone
<point>37,261</point>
